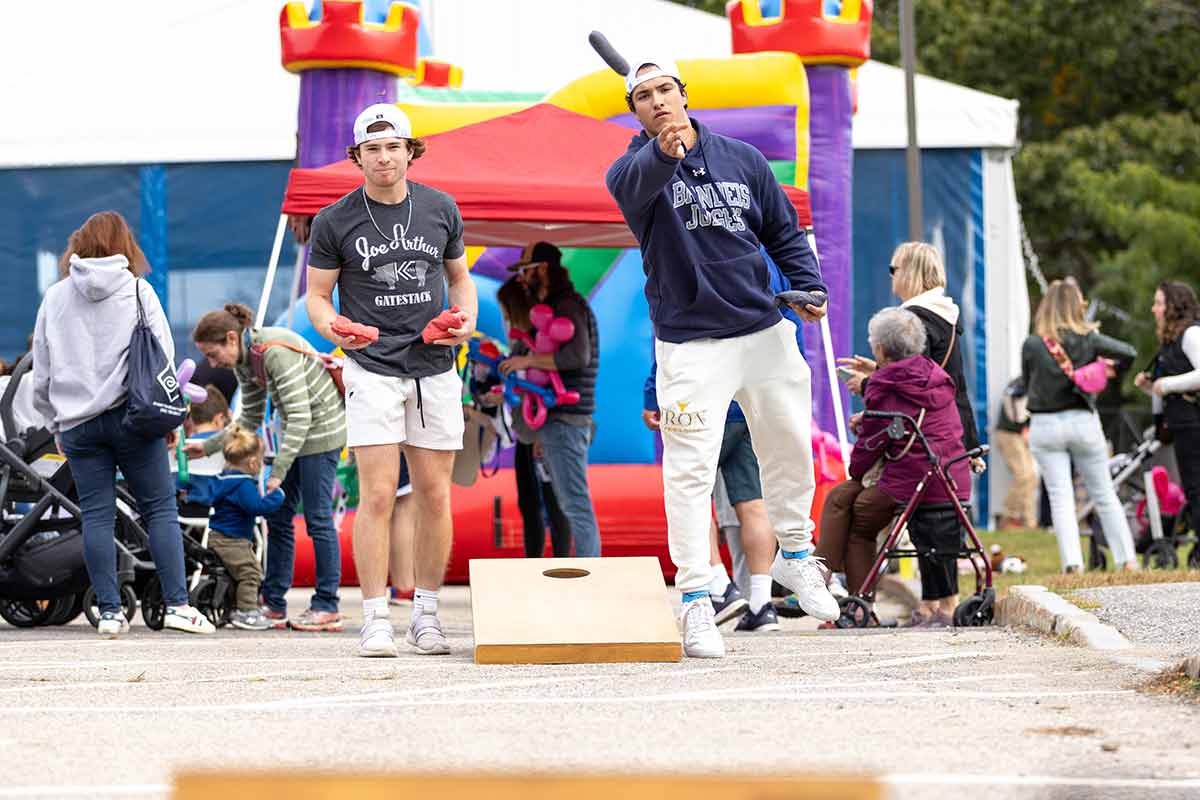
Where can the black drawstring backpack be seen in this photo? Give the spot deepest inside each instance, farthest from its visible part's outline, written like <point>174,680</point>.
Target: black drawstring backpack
<point>154,403</point>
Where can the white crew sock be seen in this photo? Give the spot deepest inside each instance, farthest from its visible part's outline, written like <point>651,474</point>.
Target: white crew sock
<point>375,607</point>
<point>720,581</point>
<point>425,601</point>
<point>760,592</point>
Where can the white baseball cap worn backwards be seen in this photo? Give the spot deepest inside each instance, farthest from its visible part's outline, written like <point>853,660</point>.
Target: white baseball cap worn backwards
<point>663,69</point>
<point>381,112</point>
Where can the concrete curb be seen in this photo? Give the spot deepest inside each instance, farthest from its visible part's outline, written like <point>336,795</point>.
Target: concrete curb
<point>1046,612</point>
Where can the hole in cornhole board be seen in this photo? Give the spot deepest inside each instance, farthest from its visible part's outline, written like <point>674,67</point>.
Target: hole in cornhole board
<point>571,611</point>
<point>563,572</point>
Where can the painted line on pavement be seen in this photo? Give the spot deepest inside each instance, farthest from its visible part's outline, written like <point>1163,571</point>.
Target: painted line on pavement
<point>356,700</point>
<point>111,790</point>
<point>898,662</point>
<point>951,779</point>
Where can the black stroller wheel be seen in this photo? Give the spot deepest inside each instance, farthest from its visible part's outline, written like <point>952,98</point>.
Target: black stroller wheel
<point>203,600</point>
<point>69,608</point>
<point>154,608</point>
<point>1161,555</point>
<point>27,613</point>
<point>129,604</point>
<point>976,611</point>
<point>856,613</point>
<point>1194,557</point>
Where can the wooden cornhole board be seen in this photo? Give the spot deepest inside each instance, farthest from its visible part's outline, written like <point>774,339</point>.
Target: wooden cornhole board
<point>617,611</point>
<point>297,785</point>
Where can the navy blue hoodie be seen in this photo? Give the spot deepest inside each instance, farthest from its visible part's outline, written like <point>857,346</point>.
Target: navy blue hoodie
<point>700,222</point>
<point>235,503</point>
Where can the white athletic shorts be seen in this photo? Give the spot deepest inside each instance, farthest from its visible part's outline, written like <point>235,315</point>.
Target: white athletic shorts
<point>381,409</point>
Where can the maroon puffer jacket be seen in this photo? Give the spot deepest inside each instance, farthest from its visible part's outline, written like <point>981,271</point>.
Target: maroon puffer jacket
<point>908,386</point>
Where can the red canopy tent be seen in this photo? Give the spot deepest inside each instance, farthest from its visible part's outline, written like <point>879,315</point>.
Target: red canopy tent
<point>536,174</point>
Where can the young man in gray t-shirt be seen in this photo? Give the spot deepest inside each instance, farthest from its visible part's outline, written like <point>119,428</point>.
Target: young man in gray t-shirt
<point>394,250</point>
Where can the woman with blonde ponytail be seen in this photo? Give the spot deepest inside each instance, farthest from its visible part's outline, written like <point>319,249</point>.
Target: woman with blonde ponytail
<point>1064,428</point>
<point>277,364</point>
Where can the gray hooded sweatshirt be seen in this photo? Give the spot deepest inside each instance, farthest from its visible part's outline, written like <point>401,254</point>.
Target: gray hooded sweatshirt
<point>81,340</point>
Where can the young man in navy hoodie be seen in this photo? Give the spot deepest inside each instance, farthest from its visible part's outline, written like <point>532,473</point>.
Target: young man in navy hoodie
<point>701,205</point>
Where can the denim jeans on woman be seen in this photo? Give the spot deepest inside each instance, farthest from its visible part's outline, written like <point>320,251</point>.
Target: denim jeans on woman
<point>1057,440</point>
<point>310,480</point>
<point>95,450</point>
<point>566,447</point>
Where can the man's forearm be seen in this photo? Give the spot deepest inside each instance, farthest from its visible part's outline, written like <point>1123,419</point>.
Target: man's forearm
<point>321,312</point>
<point>462,294</point>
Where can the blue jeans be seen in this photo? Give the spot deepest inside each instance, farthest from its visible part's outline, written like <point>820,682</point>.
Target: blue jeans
<point>94,450</point>
<point>566,447</point>
<point>309,480</point>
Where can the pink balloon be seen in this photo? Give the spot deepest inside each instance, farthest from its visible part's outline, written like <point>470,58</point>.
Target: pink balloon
<point>540,315</point>
<point>185,370</point>
<point>543,343</point>
<point>538,376</point>
<point>561,329</point>
<point>197,394</point>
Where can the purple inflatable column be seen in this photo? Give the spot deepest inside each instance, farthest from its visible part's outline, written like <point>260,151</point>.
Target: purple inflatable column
<point>830,185</point>
<point>329,101</point>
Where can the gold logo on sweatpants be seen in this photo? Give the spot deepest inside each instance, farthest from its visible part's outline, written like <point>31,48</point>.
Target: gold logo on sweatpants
<point>677,419</point>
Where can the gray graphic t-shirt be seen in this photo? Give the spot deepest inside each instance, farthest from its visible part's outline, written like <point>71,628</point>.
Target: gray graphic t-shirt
<point>395,281</point>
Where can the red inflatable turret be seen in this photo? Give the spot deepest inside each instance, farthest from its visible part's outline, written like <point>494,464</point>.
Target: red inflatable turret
<point>803,28</point>
<point>340,39</point>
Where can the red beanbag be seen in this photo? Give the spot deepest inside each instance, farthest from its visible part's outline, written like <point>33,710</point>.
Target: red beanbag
<point>354,330</point>
<point>439,327</point>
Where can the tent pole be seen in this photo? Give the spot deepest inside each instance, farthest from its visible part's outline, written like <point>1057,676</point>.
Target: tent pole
<point>295,285</point>
<point>835,390</point>
<point>272,266</point>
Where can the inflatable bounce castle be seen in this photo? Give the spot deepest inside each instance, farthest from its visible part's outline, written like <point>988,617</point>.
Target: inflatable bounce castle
<point>525,169</point>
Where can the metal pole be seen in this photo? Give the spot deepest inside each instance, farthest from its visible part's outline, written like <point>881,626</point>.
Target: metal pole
<point>271,267</point>
<point>908,58</point>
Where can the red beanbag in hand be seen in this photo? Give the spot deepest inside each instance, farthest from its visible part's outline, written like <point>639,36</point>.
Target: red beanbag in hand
<point>354,330</point>
<point>439,327</point>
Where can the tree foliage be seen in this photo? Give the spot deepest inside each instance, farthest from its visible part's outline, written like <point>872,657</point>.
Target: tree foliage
<point>1108,172</point>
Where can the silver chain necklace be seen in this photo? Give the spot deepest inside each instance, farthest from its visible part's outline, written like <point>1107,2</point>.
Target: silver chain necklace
<point>370,216</point>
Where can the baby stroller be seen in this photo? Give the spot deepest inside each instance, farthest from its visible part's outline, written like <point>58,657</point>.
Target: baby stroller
<point>975,610</point>
<point>43,580</point>
<point>211,589</point>
<point>1157,536</point>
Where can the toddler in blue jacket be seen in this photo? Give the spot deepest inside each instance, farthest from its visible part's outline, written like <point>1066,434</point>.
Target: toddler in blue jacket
<point>236,503</point>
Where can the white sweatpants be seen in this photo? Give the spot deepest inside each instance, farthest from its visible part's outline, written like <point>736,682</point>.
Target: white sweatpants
<point>696,380</point>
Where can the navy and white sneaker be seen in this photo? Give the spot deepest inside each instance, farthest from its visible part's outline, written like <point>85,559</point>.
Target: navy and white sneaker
<point>728,605</point>
<point>762,621</point>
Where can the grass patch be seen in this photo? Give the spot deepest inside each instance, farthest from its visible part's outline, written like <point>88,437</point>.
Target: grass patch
<point>1039,548</point>
<point>1173,684</point>
<point>1083,602</point>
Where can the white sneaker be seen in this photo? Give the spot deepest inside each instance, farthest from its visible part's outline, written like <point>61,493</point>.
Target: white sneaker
<point>426,635</point>
<point>701,639</point>
<point>837,586</point>
<point>112,624</point>
<point>807,577</point>
<point>377,639</point>
<point>188,620</point>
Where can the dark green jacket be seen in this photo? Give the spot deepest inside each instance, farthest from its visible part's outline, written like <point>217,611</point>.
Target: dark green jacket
<point>1047,387</point>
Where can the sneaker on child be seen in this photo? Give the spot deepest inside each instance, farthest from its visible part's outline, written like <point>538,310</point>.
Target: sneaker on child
<point>807,577</point>
<point>112,624</point>
<point>250,621</point>
<point>187,620</point>
<point>701,639</point>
